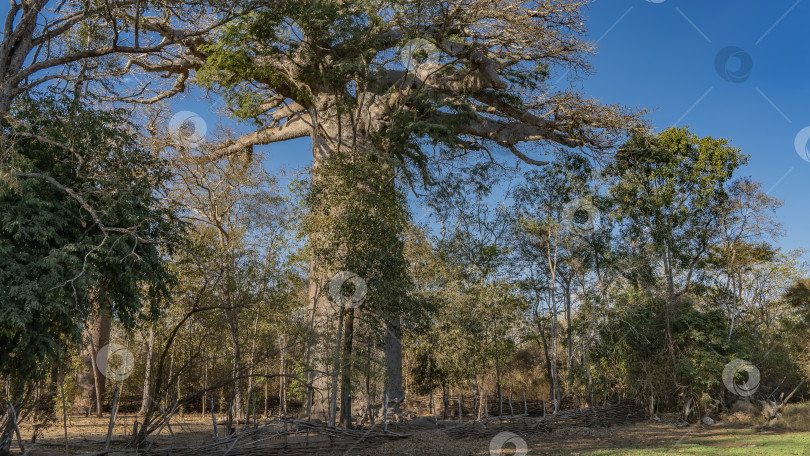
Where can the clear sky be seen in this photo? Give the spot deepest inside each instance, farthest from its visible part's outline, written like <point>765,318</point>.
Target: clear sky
<point>736,69</point>
<point>677,58</point>
<point>667,56</point>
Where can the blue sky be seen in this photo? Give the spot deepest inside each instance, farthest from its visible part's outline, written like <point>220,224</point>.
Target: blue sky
<point>662,55</point>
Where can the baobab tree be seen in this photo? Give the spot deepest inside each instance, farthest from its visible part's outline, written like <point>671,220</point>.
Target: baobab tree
<point>410,84</point>
<point>406,84</point>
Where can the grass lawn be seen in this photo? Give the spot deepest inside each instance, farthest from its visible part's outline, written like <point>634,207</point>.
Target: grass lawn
<point>724,441</point>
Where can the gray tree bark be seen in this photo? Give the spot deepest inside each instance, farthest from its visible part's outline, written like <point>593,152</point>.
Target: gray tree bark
<point>92,381</point>
<point>147,376</point>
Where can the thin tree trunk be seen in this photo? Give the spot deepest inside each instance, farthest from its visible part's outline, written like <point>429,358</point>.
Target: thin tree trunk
<point>266,390</point>
<point>569,335</point>
<point>335,371</point>
<point>346,372</point>
<point>554,335</point>
<point>91,380</point>
<point>548,358</point>
<point>252,362</point>
<point>147,375</point>
<point>205,387</point>
<point>236,366</point>
<point>282,381</point>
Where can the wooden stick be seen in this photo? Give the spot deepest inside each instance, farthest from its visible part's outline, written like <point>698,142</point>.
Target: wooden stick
<point>112,417</point>
<point>785,401</point>
<point>166,421</point>
<point>791,394</point>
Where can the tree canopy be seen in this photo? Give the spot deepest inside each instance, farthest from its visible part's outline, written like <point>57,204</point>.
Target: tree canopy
<point>82,228</point>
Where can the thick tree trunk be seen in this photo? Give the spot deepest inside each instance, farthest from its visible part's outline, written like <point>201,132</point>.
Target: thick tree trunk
<point>393,362</point>
<point>340,133</point>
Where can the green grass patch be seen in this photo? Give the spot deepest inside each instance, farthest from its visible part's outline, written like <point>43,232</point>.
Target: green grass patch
<point>724,442</point>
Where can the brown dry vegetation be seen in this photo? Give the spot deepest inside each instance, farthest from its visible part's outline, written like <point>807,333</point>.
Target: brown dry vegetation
<point>87,435</point>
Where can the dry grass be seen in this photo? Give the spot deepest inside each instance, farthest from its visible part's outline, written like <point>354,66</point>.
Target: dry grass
<point>796,417</point>
<point>735,434</point>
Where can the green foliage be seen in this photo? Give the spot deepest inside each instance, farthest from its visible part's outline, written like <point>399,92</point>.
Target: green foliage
<point>57,266</point>
<point>245,50</point>
<point>297,391</point>
<point>366,215</point>
<point>673,185</point>
<point>631,351</point>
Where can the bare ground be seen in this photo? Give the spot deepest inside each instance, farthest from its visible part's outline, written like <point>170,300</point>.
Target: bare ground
<point>87,435</point>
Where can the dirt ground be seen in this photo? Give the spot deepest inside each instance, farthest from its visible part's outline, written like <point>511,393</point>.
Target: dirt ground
<point>87,435</point>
